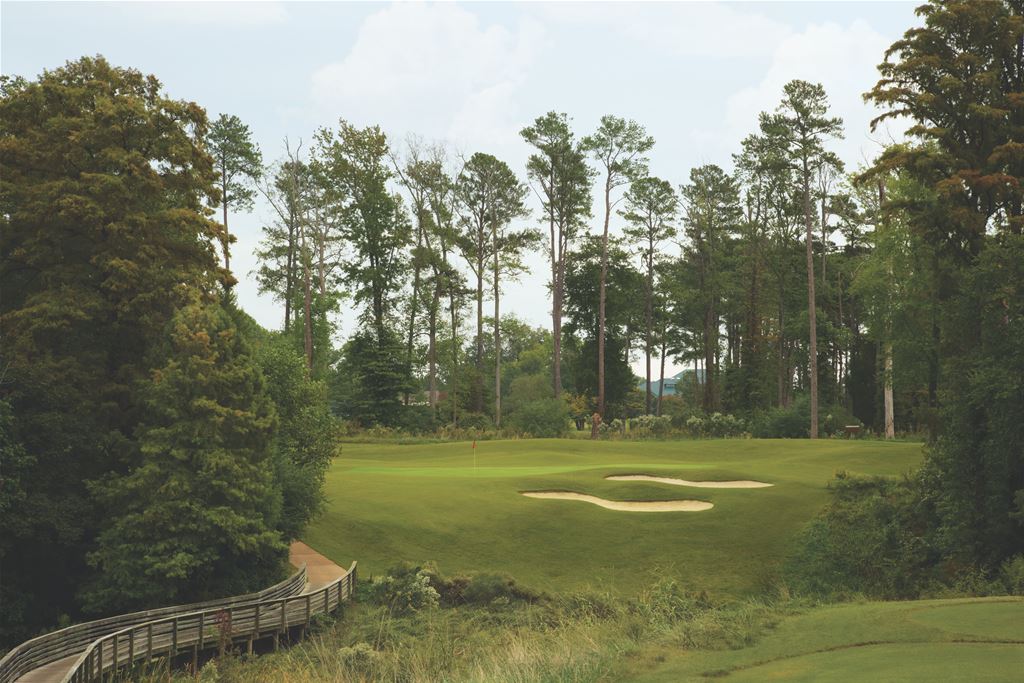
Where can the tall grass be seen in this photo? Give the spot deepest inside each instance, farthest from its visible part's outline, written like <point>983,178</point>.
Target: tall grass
<point>575,639</point>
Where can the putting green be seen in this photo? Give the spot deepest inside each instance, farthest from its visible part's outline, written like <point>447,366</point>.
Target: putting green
<point>461,507</point>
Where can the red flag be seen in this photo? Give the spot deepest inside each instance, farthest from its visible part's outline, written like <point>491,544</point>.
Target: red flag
<point>474,443</point>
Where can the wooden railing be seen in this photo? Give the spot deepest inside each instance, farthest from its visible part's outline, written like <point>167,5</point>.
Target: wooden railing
<point>209,628</point>
<point>57,645</point>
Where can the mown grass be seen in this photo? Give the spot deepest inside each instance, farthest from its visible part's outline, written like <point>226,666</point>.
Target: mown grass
<point>622,589</point>
<point>462,508</point>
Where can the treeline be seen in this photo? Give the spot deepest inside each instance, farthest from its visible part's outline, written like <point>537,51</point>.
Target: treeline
<point>158,446</point>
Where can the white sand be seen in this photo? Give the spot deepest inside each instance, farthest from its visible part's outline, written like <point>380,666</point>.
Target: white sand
<point>739,484</point>
<point>626,505</point>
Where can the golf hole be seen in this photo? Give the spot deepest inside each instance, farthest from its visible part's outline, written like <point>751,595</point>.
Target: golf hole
<point>626,505</point>
<point>739,484</point>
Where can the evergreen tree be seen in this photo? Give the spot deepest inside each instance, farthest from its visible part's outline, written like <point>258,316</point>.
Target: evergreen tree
<point>104,235</point>
<point>651,208</point>
<point>560,170</point>
<point>619,147</point>
<point>238,163</point>
<point>196,511</point>
<point>801,127</point>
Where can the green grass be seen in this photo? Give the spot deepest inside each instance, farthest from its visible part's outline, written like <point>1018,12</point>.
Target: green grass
<point>443,502</point>
<point>926,640</point>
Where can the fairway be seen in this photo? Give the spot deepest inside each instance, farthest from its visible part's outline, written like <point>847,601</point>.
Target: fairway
<point>463,508</point>
<point>926,640</point>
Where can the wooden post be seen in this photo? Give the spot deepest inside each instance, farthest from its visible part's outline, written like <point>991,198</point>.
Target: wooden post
<point>308,596</point>
<point>131,646</point>
<point>149,642</point>
<point>115,656</point>
<point>174,640</point>
<point>202,629</point>
<point>99,657</point>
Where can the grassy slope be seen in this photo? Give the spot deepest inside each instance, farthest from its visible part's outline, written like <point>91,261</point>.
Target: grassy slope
<point>429,502</point>
<point>925,640</point>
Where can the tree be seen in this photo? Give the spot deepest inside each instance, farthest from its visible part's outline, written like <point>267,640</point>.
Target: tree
<point>583,319</point>
<point>712,212</point>
<point>507,250</point>
<point>560,170</point>
<point>238,163</point>
<point>105,233</point>
<point>196,511</point>
<point>960,78</point>
<point>651,208</point>
<point>304,442</point>
<point>619,147</point>
<point>801,127</point>
<point>377,231</point>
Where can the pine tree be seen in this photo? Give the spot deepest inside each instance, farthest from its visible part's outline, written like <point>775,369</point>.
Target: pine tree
<point>238,164</point>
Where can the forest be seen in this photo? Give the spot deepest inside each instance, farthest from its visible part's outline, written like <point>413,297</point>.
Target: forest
<point>159,446</point>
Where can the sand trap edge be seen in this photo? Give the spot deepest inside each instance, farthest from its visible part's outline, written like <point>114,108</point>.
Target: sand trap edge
<point>736,484</point>
<point>625,505</point>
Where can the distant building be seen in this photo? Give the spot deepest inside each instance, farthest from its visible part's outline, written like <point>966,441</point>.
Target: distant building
<point>676,384</point>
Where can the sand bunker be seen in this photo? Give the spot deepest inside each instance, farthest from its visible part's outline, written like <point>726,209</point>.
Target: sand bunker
<point>740,484</point>
<point>626,505</point>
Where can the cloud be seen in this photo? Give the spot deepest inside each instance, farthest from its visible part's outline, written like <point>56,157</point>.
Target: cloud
<point>843,59</point>
<point>701,29</point>
<point>227,14</point>
<point>432,69</point>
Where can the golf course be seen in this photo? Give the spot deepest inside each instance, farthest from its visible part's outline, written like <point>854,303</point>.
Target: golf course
<point>463,508</point>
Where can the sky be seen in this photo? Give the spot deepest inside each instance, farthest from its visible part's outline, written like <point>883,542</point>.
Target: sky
<point>695,74</point>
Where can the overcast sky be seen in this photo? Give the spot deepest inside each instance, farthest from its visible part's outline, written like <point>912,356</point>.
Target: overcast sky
<point>695,74</point>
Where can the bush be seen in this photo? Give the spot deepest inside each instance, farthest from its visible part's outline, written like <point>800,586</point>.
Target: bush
<point>1012,575</point>
<point>405,588</point>
<point>868,540</point>
<point>475,421</point>
<point>715,425</point>
<point>417,420</point>
<point>544,418</point>
<point>794,421</point>
<point>486,589</point>
<point>652,424</point>
<point>360,658</point>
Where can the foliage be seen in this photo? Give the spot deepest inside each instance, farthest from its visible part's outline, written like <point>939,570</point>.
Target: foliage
<point>542,418</point>
<point>95,262</point>
<point>715,425</point>
<point>304,442</point>
<point>869,541</point>
<point>196,513</point>
<point>404,590</point>
<point>371,378</point>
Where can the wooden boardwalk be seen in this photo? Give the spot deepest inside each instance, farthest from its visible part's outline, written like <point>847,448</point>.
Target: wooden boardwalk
<point>324,586</point>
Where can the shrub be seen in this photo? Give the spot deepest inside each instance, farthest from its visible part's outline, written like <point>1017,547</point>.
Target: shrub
<point>715,425</point>
<point>1012,575</point>
<point>475,421</point>
<point>542,418</point>
<point>867,540</point>
<point>405,588</point>
<point>485,589</point>
<point>360,658</point>
<point>794,421</point>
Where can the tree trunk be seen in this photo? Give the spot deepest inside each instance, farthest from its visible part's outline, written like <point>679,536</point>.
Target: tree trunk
<point>890,420</point>
<point>289,276</point>
<point>307,304</point>
<point>415,297</point>
<point>811,313</point>
<point>661,374</point>
<point>648,324</point>
<point>224,203</point>
<point>478,387</point>
<point>602,298</point>
<point>497,336</point>
<point>432,353</point>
